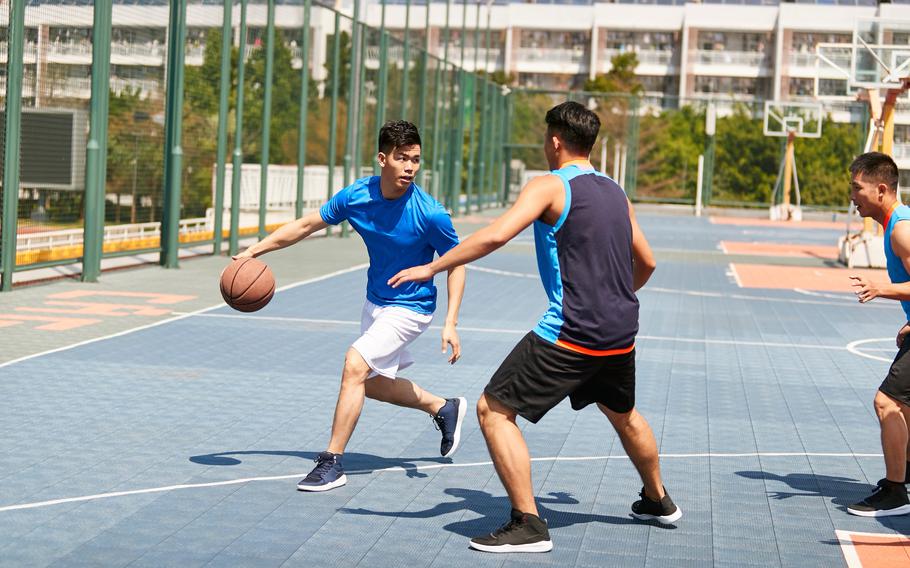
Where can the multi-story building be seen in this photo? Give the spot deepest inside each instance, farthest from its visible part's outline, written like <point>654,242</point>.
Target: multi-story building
<point>758,50</point>
<point>683,49</point>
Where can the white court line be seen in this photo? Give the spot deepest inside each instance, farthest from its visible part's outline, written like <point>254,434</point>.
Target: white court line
<point>705,341</point>
<point>844,297</point>
<point>696,293</point>
<point>176,318</point>
<point>848,547</point>
<point>852,348</point>
<point>243,480</point>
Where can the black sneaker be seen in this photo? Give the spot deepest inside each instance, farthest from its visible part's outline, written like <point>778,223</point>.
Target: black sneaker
<point>664,511</point>
<point>523,533</point>
<point>328,474</point>
<point>888,499</point>
<point>448,421</point>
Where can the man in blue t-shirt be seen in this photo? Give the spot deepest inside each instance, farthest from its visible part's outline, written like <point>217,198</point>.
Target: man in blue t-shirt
<point>401,226</point>
<point>873,190</point>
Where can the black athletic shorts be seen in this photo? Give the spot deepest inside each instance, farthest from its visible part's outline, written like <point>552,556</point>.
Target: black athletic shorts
<point>537,375</point>
<point>897,383</point>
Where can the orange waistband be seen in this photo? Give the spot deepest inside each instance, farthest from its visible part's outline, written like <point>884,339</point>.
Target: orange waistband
<point>594,352</point>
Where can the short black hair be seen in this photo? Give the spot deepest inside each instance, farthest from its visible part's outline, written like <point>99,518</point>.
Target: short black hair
<point>877,168</point>
<point>576,126</point>
<point>397,133</point>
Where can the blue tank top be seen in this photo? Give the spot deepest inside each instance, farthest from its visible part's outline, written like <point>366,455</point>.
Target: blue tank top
<point>896,271</point>
<point>585,264</point>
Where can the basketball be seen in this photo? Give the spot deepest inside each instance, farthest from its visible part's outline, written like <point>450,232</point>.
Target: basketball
<point>247,284</point>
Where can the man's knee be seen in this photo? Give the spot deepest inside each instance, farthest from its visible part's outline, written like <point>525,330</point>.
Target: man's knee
<point>490,410</point>
<point>622,421</point>
<point>885,406</point>
<point>356,369</point>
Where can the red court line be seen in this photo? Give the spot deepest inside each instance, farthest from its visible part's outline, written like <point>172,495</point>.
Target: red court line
<point>754,222</point>
<point>780,249</point>
<point>804,277</point>
<point>874,550</point>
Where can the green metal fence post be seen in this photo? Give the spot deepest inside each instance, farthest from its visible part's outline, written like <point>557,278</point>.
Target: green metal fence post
<point>632,148</point>
<point>237,161</point>
<point>224,93</point>
<point>383,78</point>
<point>304,102</point>
<point>350,136</point>
<point>406,56</point>
<point>333,111</point>
<point>472,143</point>
<point>12,129</point>
<point>422,88</point>
<point>266,117</point>
<point>506,142</point>
<point>358,111</point>
<point>96,148</point>
<point>173,126</point>
<point>493,182</point>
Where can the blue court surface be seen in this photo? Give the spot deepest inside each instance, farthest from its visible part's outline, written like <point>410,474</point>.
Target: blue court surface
<point>180,444</point>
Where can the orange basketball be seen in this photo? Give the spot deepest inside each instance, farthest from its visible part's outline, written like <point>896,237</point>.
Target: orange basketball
<point>247,284</point>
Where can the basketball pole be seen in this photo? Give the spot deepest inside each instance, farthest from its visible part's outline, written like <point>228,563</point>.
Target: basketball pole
<point>788,175</point>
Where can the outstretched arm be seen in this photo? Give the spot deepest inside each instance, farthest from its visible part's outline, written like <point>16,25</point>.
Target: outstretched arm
<point>287,234</point>
<point>643,263</point>
<point>455,285</point>
<point>535,199</point>
<point>867,289</point>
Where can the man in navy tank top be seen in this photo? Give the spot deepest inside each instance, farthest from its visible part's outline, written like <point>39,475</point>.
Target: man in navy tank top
<point>592,257</point>
<point>873,189</point>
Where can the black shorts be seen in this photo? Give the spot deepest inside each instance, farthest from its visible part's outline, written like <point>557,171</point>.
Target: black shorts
<point>537,375</point>
<point>897,383</point>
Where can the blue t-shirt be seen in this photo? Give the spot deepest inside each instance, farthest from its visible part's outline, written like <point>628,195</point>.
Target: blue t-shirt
<point>399,233</point>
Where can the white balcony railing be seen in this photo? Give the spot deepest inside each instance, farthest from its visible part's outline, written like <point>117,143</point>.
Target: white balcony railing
<point>809,59</point>
<point>550,55</point>
<point>644,56</point>
<point>744,58</point>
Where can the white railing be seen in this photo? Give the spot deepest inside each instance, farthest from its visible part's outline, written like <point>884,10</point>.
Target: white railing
<point>746,58</point>
<point>646,56</point>
<point>149,86</point>
<point>138,49</point>
<point>901,151</point>
<point>112,233</point>
<point>809,59</point>
<point>550,55</point>
<point>70,48</point>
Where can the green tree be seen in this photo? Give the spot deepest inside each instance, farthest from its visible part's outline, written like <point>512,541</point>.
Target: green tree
<point>344,72</point>
<point>620,78</point>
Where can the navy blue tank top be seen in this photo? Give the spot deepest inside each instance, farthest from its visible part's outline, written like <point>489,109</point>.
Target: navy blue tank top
<point>585,264</point>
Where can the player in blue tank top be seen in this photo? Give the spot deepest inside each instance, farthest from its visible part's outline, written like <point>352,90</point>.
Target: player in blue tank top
<point>592,257</point>
<point>401,226</point>
<point>873,189</point>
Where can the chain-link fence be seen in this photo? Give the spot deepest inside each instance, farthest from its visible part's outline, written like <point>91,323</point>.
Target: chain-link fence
<point>222,120</point>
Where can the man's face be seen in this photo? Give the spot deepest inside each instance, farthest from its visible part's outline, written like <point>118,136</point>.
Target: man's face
<point>401,165</point>
<point>865,195</point>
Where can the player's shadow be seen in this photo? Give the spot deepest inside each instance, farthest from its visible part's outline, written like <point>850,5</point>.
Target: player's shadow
<point>843,491</point>
<point>494,512</point>
<point>354,463</point>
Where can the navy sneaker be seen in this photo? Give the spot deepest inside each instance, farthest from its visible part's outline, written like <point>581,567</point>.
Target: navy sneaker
<point>328,474</point>
<point>448,421</point>
<point>889,498</point>
<point>523,533</point>
<point>664,511</point>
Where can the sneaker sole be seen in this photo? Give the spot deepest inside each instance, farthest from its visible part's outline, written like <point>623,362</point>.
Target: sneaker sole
<point>902,510</point>
<point>542,546</point>
<point>462,410</point>
<point>316,488</point>
<point>662,519</point>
